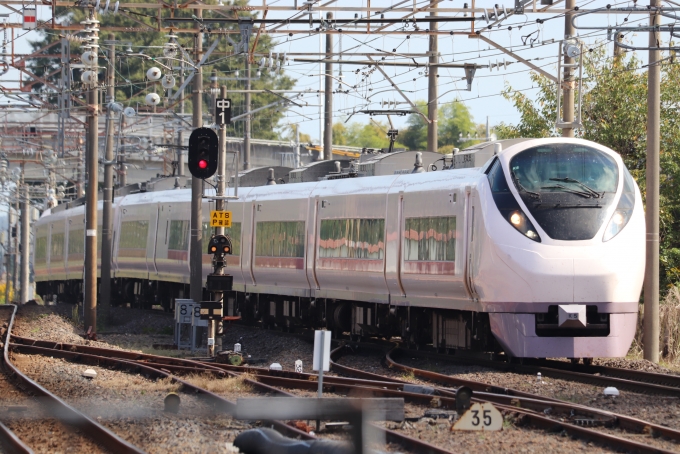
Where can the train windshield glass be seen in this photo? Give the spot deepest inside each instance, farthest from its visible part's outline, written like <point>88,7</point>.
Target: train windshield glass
<point>567,188</point>
<point>549,167</point>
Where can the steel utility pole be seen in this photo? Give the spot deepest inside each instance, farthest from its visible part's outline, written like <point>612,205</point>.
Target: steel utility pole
<point>196,258</point>
<point>107,208</point>
<point>651,295</point>
<point>568,82</point>
<point>25,241</point>
<point>247,122</point>
<point>92,167</point>
<point>328,98</point>
<point>432,89</point>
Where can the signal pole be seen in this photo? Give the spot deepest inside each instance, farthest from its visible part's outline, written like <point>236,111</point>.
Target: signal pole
<point>432,89</point>
<point>651,291</point>
<point>107,207</point>
<point>196,257</point>
<point>328,97</point>
<point>216,327</point>
<point>568,82</point>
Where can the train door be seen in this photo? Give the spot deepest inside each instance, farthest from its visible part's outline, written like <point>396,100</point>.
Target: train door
<point>470,243</point>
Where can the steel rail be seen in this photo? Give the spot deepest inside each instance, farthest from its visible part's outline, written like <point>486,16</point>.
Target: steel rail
<point>225,405</point>
<point>9,441</point>
<point>12,444</point>
<point>531,409</point>
<point>637,381</point>
<point>383,385</point>
<point>67,414</point>
<point>622,421</point>
<point>64,412</point>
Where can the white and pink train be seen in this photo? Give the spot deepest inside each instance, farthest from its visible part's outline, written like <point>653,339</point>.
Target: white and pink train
<point>539,252</point>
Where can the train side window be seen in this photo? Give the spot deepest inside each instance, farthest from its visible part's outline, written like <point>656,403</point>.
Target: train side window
<point>497,179</point>
<point>352,238</point>
<point>430,239</point>
<point>280,239</point>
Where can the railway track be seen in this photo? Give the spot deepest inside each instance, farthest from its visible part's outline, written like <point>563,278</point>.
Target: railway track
<point>162,367</point>
<point>627,379</point>
<point>72,429</point>
<point>548,414</point>
<point>576,413</point>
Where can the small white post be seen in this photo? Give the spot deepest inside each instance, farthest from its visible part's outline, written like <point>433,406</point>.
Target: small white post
<point>322,359</point>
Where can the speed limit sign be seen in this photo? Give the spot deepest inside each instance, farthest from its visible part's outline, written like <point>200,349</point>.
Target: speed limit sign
<point>482,416</point>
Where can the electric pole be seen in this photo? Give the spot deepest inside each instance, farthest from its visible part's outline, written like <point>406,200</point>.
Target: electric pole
<point>328,97</point>
<point>432,89</point>
<point>15,255</point>
<point>568,82</point>
<point>8,252</point>
<point>180,136</point>
<point>107,207</point>
<point>92,164</point>
<point>247,122</point>
<point>651,291</point>
<point>196,258</point>
<point>25,241</point>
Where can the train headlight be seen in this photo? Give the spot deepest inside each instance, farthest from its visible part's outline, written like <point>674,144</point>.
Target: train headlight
<point>624,210</point>
<point>522,223</point>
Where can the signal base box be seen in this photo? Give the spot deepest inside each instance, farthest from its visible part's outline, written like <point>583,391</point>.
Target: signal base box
<point>211,310</point>
<point>220,282</point>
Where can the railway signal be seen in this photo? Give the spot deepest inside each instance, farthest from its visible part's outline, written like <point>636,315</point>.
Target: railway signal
<point>203,151</point>
<point>219,245</point>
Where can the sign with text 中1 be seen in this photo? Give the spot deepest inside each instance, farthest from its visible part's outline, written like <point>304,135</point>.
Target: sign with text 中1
<point>223,111</point>
<point>220,218</point>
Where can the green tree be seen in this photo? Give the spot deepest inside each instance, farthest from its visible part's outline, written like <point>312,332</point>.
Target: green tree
<point>366,135</point>
<point>455,124</point>
<point>614,113</point>
<point>131,83</point>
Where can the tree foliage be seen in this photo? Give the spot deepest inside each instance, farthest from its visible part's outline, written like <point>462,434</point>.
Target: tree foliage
<point>366,135</point>
<point>455,128</point>
<point>131,83</point>
<point>614,113</point>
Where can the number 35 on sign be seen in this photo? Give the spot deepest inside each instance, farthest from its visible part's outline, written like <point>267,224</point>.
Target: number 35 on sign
<point>220,218</point>
<point>482,416</point>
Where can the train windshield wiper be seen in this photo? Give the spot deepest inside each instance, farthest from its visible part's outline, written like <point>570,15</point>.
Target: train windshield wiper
<point>585,194</point>
<point>521,188</point>
<point>592,191</point>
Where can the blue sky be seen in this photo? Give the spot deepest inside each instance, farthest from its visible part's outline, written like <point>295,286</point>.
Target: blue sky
<point>483,100</point>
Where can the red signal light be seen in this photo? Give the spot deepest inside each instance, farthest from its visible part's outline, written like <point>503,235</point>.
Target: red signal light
<point>202,164</point>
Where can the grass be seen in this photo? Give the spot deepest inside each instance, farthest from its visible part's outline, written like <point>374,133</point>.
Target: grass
<point>669,332</point>
<point>408,376</point>
<point>75,316</point>
<point>221,385</point>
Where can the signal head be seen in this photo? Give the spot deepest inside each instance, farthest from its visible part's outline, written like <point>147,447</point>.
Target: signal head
<point>203,151</point>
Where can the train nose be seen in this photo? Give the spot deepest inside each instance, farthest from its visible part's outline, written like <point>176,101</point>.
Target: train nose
<point>549,278</point>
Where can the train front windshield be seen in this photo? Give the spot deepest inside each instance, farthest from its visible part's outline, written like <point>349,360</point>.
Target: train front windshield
<point>566,187</point>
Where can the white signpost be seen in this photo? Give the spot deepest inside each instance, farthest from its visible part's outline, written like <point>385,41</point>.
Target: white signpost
<point>322,355</point>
